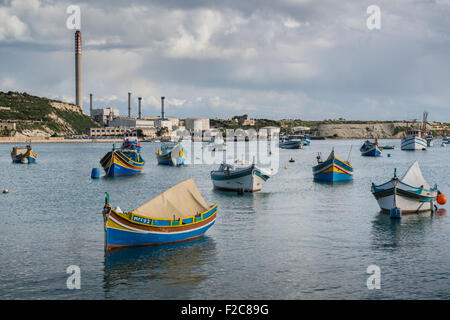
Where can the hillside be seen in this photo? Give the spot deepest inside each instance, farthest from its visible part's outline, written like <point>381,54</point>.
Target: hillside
<point>41,117</point>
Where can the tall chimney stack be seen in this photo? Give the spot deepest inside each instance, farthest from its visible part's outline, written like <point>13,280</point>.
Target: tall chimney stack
<point>78,95</point>
<point>140,107</point>
<point>129,104</point>
<point>162,108</point>
<point>90,104</point>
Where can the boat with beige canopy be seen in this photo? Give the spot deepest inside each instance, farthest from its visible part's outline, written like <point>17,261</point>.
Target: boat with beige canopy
<point>178,214</point>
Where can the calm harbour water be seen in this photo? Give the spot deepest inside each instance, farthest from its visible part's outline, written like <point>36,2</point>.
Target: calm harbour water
<point>294,240</point>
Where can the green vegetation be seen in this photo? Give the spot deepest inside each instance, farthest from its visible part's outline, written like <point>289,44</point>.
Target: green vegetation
<point>36,113</point>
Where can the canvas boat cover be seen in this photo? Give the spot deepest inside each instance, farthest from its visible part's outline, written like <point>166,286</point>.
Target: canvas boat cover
<point>413,177</point>
<point>182,200</point>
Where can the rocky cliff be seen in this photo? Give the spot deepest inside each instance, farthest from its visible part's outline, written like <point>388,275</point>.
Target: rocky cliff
<point>41,117</point>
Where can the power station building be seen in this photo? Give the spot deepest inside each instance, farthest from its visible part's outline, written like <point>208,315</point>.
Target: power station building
<point>104,116</point>
<point>196,124</point>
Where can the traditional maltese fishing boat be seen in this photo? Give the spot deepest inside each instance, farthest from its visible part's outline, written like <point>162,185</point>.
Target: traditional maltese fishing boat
<point>239,176</point>
<point>410,194</point>
<point>126,161</point>
<point>333,169</point>
<point>23,155</point>
<point>178,214</point>
<point>171,154</point>
<point>370,149</point>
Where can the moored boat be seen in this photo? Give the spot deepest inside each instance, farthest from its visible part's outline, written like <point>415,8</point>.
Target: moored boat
<point>333,169</point>
<point>171,154</point>
<point>429,138</point>
<point>410,194</point>
<point>178,214</point>
<point>23,155</point>
<point>124,161</point>
<point>239,176</point>
<point>414,141</point>
<point>288,143</point>
<point>370,149</point>
<point>416,135</point>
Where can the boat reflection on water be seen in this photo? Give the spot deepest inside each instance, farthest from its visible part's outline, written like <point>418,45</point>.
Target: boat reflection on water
<point>409,231</point>
<point>163,272</point>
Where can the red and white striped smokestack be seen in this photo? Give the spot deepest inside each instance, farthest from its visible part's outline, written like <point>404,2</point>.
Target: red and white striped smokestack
<point>78,95</point>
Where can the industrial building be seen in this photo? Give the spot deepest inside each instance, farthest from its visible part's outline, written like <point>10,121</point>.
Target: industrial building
<point>103,116</point>
<point>130,122</point>
<point>196,124</point>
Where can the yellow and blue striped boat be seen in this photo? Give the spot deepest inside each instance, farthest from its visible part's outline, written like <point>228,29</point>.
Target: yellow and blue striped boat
<point>127,161</point>
<point>23,155</point>
<point>333,169</point>
<point>176,215</point>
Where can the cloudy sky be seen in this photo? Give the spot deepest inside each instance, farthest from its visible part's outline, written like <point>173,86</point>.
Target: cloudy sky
<point>302,59</point>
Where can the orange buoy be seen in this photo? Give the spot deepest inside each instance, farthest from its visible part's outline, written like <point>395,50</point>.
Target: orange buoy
<point>441,199</point>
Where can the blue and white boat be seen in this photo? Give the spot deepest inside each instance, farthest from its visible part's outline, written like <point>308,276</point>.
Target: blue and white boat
<point>414,140</point>
<point>410,194</point>
<point>290,143</point>
<point>239,176</point>
<point>333,169</point>
<point>430,139</point>
<point>445,140</point>
<point>370,149</point>
<point>178,214</point>
<point>171,154</point>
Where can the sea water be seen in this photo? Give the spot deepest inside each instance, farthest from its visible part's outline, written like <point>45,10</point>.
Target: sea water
<point>296,239</point>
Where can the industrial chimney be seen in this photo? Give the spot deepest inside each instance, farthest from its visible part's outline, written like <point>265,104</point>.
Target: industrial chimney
<point>78,95</point>
<point>129,104</point>
<point>90,104</point>
<point>140,107</point>
<point>162,108</point>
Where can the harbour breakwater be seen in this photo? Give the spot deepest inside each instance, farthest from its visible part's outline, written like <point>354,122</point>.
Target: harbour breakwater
<point>372,130</point>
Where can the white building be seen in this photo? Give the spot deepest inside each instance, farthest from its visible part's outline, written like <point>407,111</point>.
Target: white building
<point>195,124</point>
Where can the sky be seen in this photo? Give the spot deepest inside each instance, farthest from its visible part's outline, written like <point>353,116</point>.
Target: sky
<point>284,59</point>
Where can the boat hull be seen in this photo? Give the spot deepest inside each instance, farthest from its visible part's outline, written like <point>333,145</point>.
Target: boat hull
<point>25,160</point>
<point>413,143</point>
<point>291,144</point>
<point>117,163</point>
<point>408,198</point>
<point>121,232</point>
<point>247,180</point>
<point>333,170</point>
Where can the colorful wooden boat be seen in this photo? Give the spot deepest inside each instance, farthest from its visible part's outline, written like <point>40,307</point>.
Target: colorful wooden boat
<point>370,149</point>
<point>171,154</point>
<point>411,193</point>
<point>306,140</point>
<point>178,214</point>
<point>239,176</point>
<point>23,155</point>
<point>126,161</point>
<point>333,169</point>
